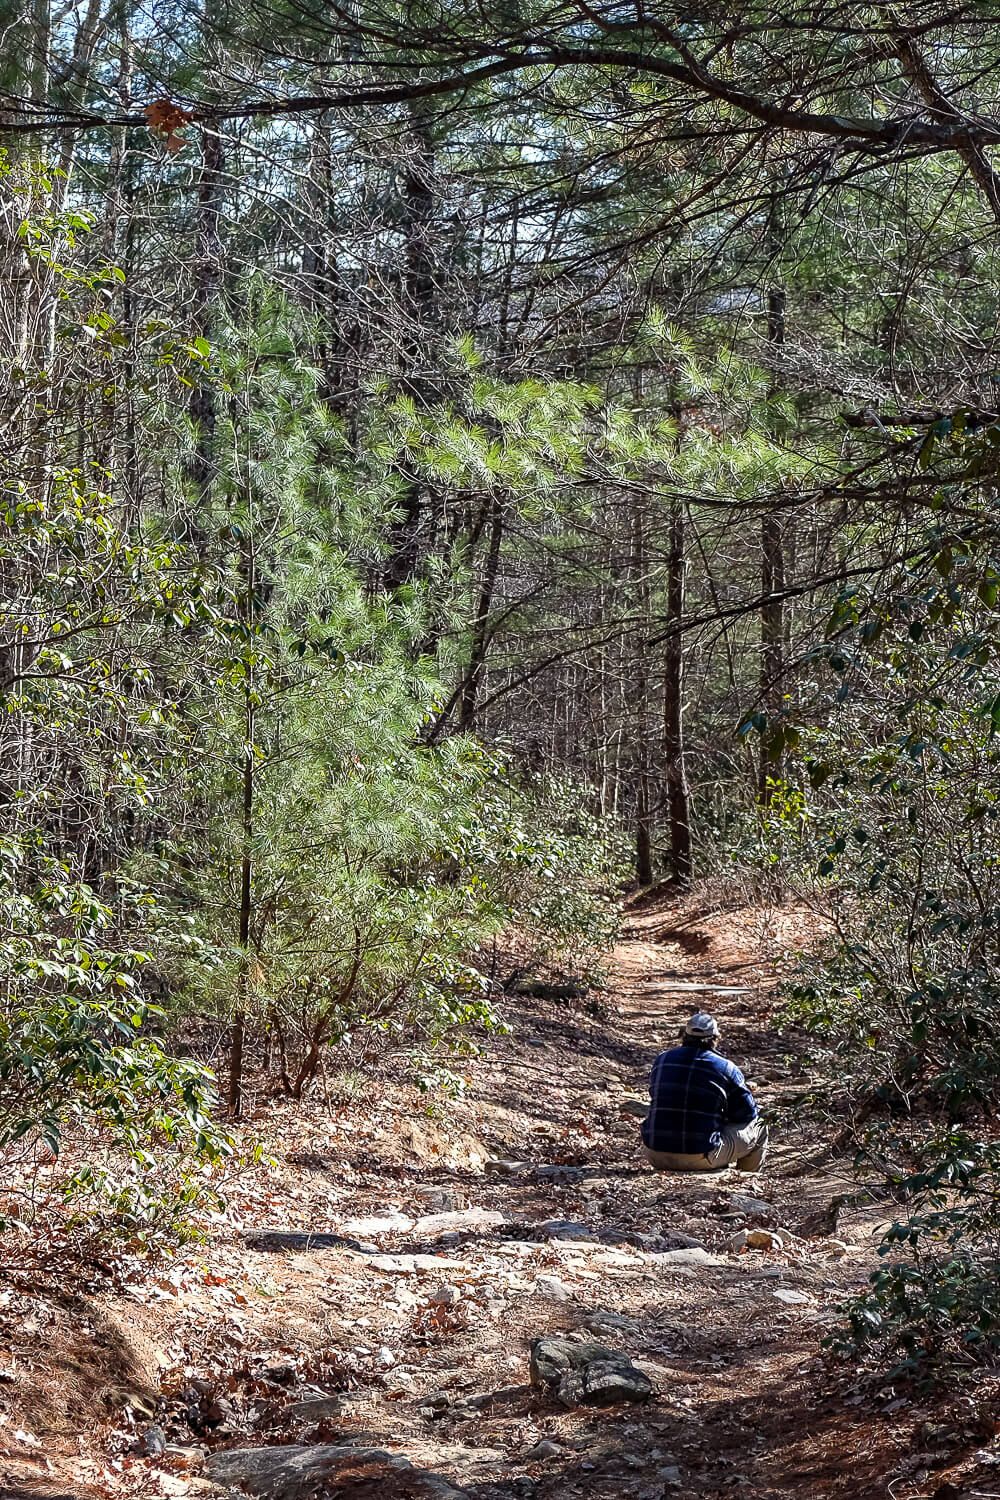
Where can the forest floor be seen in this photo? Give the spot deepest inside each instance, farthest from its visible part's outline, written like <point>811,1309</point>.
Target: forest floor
<point>380,1284</point>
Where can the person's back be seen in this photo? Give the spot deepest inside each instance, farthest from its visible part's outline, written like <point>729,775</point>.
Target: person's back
<point>702,1115</point>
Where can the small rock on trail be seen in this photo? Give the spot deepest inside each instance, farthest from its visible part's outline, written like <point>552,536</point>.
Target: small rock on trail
<point>585,1374</point>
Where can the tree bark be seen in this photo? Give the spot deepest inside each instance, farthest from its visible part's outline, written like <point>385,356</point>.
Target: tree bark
<point>207,291</point>
<point>409,534</point>
<point>772,621</point>
<point>675,770</point>
<point>480,637</point>
<point>238,1030</point>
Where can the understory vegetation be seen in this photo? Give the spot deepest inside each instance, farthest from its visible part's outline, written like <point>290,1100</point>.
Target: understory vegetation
<point>458,467</point>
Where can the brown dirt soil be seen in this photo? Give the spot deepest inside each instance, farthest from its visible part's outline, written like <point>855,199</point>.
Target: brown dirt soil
<point>249,1324</point>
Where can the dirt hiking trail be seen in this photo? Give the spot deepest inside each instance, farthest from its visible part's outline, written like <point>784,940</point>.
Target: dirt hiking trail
<point>375,1295</point>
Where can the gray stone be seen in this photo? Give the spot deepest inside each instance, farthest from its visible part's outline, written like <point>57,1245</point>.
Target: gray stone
<point>560,1174</point>
<point>296,1472</point>
<point>554,1289</point>
<point>565,1229</point>
<point>639,1108</point>
<point>182,1456</point>
<point>462,1218</point>
<point>392,1222</point>
<point>502,1166</point>
<point>315,1409</point>
<point>602,1321</point>
<point>440,1200</point>
<point>678,1241</point>
<point>753,1208</point>
<point>584,1374</point>
<point>444,1296</point>
<point>413,1265</point>
<point>692,1256</point>
<point>546,1448</point>
<point>611,1236</point>
<point>299,1239</point>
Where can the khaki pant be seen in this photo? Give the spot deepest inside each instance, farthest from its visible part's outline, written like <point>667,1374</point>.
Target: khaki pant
<point>746,1145</point>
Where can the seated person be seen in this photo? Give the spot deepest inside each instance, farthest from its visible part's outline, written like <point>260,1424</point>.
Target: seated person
<point>702,1116</point>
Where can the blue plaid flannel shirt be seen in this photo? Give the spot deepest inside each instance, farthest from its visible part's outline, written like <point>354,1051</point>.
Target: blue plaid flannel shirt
<point>694,1093</point>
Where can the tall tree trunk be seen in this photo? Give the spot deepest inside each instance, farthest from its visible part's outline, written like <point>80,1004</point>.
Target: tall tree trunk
<point>675,770</point>
<point>207,292</point>
<point>238,1031</point>
<point>642,760</point>
<point>643,830</point>
<point>772,621</point>
<point>410,533</point>
<point>480,625</point>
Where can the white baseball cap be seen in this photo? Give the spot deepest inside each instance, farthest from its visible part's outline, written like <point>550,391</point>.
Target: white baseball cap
<point>702,1027</point>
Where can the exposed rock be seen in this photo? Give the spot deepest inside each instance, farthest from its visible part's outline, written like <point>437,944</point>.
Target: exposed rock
<point>752,1208</point>
<point>180,1456</point>
<point>412,1265</point>
<point>565,1229</point>
<point>602,1321</point>
<point>314,1409</point>
<point>738,1242</point>
<point>549,989</point>
<point>440,1200</point>
<point>520,1248</point>
<point>299,1239</point>
<point>561,1174</point>
<point>554,1289</point>
<point>154,1440</point>
<point>546,1448</point>
<point>678,1241</point>
<point>390,1223</point>
<point>460,1219</point>
<point>692,1256</point>
<point>790,1295</point>
<point>639,1108</point>
<point>446,1295</point>
<point>295,1473</point>
<point>579,1373</point>
<point>502,1166</point>
<point>439,1404</point>
<point>507,1395</point>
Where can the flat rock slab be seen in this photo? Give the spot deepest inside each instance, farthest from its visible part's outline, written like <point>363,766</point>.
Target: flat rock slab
<point>459,1220</point>
<point>638,1108</point>
<point>566,1229</point>
<point>757,1210</point>
<point>299,1473</point>
<point>582,1236</point>
<point>301,1239</point>
<point>689,1256</point>
<point>503,1166</point>
<point>315,1409</point>
<point>580,1373</point>
<point>389,1223</point>
<point>414,1265</point>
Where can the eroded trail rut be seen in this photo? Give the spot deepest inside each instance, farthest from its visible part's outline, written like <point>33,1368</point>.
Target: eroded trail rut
<point>441,1251</point>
